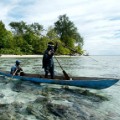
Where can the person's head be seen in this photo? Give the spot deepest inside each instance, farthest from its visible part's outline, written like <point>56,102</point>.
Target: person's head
<point>50,46</point>
<point>17,62</point>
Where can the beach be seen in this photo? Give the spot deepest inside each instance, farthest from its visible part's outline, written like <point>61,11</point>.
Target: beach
<point>21,56</point>
<point>31,56</point>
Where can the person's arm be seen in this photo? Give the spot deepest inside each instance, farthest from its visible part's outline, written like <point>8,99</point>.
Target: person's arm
<point>21,72</point>
<point>19,69</point>
<point>14,73</point>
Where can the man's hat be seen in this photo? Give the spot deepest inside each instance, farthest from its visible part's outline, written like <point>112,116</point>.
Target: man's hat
<point>17,62</point>
<point>50,44</point>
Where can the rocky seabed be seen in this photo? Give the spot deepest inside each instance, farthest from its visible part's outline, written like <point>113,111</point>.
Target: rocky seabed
<point>24,100</point>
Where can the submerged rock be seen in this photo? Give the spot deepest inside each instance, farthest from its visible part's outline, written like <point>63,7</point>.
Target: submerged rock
<point>41,99</point>
<point>37,112</point>
<point>57,109</point>
<point>43,102</point>
<point>7,116</point>
<point>1,95</point>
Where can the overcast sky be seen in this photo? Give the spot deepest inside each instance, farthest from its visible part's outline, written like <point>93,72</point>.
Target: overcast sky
<point>98,21</point>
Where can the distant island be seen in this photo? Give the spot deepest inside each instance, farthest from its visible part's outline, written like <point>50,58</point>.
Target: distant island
<point>32,39</point>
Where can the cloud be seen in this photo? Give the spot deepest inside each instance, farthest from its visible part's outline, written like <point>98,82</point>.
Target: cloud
<point>98,21</point>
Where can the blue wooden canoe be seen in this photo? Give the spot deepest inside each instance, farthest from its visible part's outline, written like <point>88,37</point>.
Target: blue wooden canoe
<point>86,82</point>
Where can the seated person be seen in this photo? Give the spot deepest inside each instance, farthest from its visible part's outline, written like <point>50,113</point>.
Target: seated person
<point>17,70</point>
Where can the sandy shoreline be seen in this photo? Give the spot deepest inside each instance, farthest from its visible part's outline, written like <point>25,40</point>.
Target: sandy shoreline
<point>31,56</point>
<point>13,56</point>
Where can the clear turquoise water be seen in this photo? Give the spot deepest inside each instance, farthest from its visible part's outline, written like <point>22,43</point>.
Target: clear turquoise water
<point>97,66</point>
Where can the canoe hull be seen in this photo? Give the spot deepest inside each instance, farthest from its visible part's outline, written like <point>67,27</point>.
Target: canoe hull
<point>85,83</point>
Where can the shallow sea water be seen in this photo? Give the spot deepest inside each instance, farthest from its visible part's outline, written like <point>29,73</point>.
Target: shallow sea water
<point>89,66</point>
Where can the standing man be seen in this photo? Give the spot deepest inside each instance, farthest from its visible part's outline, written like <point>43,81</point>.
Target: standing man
<point>47,62</point>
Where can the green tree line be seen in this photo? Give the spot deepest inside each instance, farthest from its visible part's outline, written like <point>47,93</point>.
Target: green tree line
<point>26,38</point>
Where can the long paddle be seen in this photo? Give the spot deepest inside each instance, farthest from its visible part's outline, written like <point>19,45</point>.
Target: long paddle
<point>65,74</point>
<point>14,73</point>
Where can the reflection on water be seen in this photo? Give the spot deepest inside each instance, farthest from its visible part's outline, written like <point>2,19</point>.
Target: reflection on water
<point>97,66</point>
